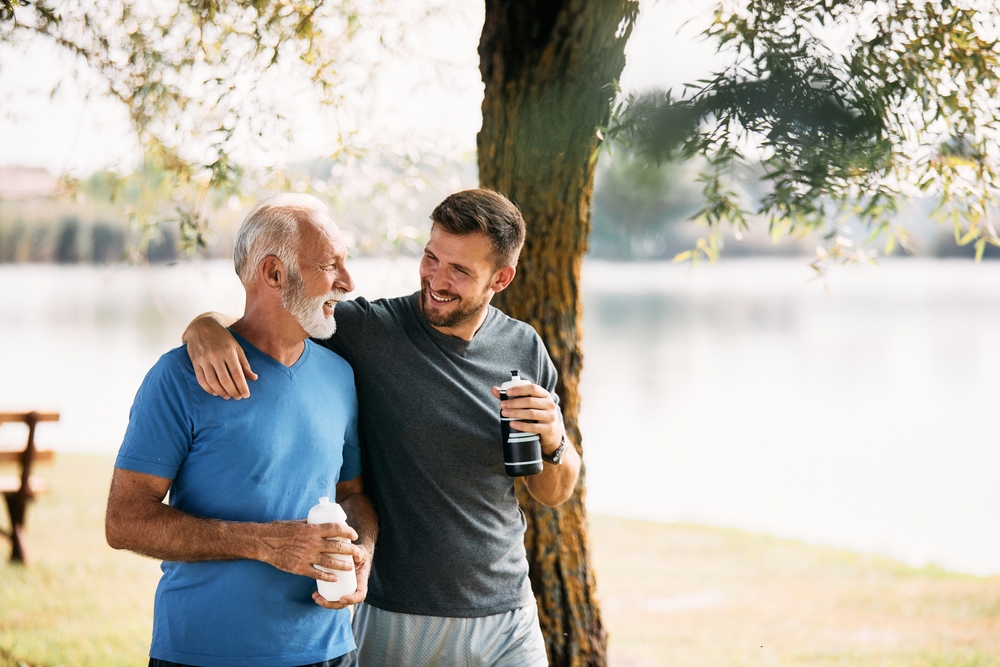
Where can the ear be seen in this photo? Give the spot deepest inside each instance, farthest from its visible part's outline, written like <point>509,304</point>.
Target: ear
<point>272,272</point>
<point>503,278</point>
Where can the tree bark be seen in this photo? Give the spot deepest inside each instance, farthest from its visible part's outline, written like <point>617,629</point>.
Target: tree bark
<point>550,70</point>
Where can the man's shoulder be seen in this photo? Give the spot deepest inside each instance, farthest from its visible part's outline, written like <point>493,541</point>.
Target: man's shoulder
<point>378,307</point>
<point>505,326</point>
<point>361,316</point>
<point>172,374</point>
<point>174,363</point>
<point>328,360</point>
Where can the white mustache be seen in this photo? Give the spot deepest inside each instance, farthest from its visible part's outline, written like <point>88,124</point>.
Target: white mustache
<point>335,295</point>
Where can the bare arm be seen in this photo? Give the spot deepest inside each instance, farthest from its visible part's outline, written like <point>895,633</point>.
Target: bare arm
<point>219,363</point>
<point>554,485</point>
<point>138,520</point>
<point>362,517</point>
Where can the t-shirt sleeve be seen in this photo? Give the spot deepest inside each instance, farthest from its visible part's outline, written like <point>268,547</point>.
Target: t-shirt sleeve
<point>351,467</point>
<point>548,376</point>
<point>160,424</point>
<point>350,317</point>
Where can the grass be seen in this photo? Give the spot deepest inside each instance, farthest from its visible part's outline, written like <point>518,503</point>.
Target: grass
<point>671,595</point>
<point>696,596</point>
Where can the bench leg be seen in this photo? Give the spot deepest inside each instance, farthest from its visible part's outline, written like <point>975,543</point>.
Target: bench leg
<point>16,506</point>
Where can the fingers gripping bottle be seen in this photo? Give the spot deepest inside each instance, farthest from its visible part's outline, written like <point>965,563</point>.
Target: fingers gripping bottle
<point>347,582</point>
<point>522,452</point>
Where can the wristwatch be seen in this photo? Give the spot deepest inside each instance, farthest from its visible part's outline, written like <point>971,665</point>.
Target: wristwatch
<point>556,457</point>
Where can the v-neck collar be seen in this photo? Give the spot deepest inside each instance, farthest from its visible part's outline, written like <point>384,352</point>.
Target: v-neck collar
<point>290,371</point>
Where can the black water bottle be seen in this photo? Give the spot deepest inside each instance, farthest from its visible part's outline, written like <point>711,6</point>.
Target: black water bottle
<point>522,452</point>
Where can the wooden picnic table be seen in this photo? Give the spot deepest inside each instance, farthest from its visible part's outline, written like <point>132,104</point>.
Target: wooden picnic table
<point>20,489</point>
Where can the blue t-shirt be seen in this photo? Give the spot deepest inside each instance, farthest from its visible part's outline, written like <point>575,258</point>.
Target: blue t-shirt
<point>266,458</point>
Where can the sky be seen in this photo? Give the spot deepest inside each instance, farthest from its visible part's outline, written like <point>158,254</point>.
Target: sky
<point>432,93</point>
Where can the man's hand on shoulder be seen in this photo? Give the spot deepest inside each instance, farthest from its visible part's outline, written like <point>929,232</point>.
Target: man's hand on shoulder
<point>219,362</point>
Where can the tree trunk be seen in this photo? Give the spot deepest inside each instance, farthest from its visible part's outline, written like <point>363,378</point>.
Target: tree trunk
<point>550,69</point>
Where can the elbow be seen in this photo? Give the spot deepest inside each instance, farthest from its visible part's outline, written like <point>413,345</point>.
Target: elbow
<point>554,497</point>
<point>555,485</point>
<point>556,501</point>
<point>114,531</point>
<point>112,535</point>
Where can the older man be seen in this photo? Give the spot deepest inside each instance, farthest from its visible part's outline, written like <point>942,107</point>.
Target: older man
<point>238,586</point>
<point>450,578</point>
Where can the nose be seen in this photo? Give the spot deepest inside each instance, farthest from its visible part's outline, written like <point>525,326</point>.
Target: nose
<point>344,280</point>
<point>437,279</point>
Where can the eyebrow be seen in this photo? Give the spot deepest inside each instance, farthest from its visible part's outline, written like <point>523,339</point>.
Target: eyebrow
<point>330,260</point>
<point>461,267</point>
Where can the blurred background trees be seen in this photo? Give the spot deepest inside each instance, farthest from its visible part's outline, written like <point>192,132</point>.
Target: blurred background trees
<point>850,107</point>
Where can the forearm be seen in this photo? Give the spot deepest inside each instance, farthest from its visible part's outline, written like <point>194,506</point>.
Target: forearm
<point>361,516</point>
<point>218,318</point>
<point>554,485</point>
<point>160,531</point>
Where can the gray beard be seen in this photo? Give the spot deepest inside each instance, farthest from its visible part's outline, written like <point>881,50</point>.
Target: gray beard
<point>308,311</point>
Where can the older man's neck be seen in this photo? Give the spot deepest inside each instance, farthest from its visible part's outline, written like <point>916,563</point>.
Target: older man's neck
<point>273,331</point>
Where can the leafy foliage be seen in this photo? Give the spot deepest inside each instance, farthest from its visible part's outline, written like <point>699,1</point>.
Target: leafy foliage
<point>202,80</point>
<point>636,208</point>
<point>850,105</point>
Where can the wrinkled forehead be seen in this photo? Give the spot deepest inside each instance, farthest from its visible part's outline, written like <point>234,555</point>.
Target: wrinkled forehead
<point>320,236</point>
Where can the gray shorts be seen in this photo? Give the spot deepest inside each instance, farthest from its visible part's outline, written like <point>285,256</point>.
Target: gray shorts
<point>510,639</point>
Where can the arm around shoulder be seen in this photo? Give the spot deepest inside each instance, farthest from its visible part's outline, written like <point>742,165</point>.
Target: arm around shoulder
<point>219,362</point>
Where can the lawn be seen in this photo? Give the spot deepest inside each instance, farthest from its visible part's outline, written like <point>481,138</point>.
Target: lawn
<point>671,595</point>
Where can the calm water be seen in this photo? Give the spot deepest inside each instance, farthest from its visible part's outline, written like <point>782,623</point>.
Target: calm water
<point>856,412</point>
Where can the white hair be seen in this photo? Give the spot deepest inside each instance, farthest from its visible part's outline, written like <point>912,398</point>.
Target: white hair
<point>272,228</point>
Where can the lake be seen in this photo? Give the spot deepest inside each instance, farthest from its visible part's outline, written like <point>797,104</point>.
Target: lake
<point>856,411</point>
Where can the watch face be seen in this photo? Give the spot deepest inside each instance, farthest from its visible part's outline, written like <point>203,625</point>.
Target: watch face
<point>560,450</point>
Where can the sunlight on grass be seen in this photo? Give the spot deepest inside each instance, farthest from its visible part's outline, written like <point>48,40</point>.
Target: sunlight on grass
<point>680,595</point>
<point>691,596</point>
<point>79,602</point>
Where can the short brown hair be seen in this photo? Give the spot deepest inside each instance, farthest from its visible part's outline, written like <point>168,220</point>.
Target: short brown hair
<point>488,212</point>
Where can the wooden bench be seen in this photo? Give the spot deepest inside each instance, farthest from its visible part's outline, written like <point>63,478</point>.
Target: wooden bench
<point>18,490</point>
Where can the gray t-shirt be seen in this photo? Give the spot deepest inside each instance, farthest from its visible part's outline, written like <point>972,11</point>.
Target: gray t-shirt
<point>450,529</point>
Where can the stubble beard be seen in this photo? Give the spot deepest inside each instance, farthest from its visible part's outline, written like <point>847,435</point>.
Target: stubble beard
<point>460,315</point>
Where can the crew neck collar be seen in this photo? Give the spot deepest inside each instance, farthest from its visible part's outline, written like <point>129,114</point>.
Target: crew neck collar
<point>453,341</point>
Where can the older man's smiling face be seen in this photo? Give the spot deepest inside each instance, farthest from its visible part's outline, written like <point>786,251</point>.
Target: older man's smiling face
<point>320,280</point>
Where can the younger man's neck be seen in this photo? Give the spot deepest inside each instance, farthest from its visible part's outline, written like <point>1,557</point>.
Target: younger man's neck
<point>466,330</point>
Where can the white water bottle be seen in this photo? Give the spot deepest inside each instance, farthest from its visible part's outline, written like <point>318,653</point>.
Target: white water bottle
<point>347,582</point>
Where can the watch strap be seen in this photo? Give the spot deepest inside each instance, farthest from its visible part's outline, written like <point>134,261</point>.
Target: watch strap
<point>556,457</point>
